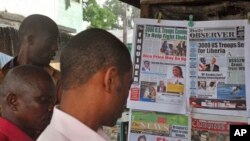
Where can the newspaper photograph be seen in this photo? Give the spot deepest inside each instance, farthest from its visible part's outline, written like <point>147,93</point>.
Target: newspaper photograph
<point>217,66</point>
<point>206,127</point>
<point>155,126</point>
<point>159,56</point>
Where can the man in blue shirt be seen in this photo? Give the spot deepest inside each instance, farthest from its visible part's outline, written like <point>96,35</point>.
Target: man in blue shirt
<point>4,58</point>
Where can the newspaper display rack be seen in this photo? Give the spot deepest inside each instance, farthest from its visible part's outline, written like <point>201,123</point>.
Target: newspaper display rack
<point>194,74</point>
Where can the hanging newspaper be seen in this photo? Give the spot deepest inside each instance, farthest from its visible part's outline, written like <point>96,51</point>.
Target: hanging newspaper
<point>159,66</point>
<point>213,127</point>
<point>217,65</point>
<point>153,126</point>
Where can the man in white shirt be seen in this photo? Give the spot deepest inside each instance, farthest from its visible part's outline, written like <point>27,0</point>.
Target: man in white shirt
<point>95,87</point>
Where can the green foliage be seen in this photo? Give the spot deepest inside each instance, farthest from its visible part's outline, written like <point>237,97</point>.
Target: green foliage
<point>97,16</point>
<point>107,17</point>
<point>119,8</point>
<point>116,7</point>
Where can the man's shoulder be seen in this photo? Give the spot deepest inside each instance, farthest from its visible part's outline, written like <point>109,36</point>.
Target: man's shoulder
<point>3,137</point>
<point>12,129</point>
<point>51,133</point>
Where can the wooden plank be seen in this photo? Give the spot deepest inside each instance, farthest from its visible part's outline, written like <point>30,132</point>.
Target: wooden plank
<point>215,11</point>
<point>184,1</point>
<point>145,10</point>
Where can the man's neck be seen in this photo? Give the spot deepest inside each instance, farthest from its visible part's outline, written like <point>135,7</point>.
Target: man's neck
<point>88,115</point>
<point>22,58</point>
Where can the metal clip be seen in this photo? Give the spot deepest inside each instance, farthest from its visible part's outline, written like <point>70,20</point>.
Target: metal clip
<point>190,23</point>
<point>158,16</point>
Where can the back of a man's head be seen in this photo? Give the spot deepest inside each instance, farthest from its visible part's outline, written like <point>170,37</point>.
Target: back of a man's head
<point>90,51</point>
<point>37,23</point>
<point>38,40</point>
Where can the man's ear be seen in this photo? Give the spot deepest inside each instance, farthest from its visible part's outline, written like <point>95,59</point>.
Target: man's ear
<point>12,101</point>
<point>110,77</point>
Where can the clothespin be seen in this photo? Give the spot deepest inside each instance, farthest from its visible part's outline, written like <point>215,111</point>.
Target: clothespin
<point>159,16</point>
<point>248,17</point>
<point>190,23</point>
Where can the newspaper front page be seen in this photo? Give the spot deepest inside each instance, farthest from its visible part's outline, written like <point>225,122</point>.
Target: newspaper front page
<point>154,126</point>
<point>217,66</point>
<point>159,56</point>
<point>213,127</point>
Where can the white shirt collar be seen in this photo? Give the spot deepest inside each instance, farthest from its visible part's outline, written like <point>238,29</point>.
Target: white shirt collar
<point>73,128</point>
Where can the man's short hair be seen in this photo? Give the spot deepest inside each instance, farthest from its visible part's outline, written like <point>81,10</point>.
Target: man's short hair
<point>36,23</point>
<point>90,51</point>
<point>21,79</point>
